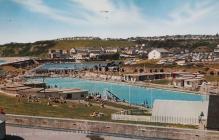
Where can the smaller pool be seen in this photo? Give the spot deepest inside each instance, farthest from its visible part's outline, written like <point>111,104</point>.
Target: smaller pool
<point>2,62</point>
<point>69,66</point>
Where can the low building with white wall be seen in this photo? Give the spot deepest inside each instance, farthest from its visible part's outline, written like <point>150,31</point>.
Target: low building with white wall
<point>158,53</point>
<point>191,81</point>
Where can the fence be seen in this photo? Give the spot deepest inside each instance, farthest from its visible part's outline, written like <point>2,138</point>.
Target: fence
<point>175,120</point>
<point>131,118</point>
<point>157,119</point>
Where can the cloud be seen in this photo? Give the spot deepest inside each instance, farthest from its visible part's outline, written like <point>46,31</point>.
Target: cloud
<point>39,6</point>
<point>124,18</point>
<point>92,12</point>
<point>110,14</point>
<point>95,5</point>
<point>188,13</point>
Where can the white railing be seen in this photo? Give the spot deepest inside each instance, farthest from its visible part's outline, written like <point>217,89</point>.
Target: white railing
<point>175,120</point>
<point>157,119</point>
<point>130,118</point>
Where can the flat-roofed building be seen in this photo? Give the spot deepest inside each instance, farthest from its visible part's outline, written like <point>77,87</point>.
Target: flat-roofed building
<point>187,80</point>
<point>147,76</point>
<point>70,94</point>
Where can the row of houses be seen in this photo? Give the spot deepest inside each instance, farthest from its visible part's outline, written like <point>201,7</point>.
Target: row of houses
<point>81,53</point>
<point>95,52</point>
<point>80,38</point>
<point>200,54</point>
<point>176,37</point>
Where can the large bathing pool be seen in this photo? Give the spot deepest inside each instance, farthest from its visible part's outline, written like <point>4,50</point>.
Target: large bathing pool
<point>132,94</point>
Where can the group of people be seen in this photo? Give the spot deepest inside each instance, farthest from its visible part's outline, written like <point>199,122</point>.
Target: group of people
<point>2,111</point>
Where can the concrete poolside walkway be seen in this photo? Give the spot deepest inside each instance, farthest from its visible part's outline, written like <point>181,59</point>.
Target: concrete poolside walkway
<point>21,124</point>
<point>25,133</point>
<point>145,85</point>
<point>8,94</point>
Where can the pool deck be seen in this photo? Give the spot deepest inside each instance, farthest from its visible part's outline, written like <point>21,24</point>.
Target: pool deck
<point>30,133</point>
<point>8,60</point>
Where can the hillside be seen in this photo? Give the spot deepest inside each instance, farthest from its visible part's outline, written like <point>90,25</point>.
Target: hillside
<point>68,44</point>
<point>183,44</point>
<point>40,48</point>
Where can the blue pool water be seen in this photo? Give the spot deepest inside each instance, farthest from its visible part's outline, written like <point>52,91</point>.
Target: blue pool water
<point>132,94</point>
<point>70,66</point>
<point>2,62</point>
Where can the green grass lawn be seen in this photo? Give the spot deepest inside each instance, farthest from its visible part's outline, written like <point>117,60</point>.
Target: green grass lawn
<point>69,110</point>
<point>116,105</point>
<point>68,44</point>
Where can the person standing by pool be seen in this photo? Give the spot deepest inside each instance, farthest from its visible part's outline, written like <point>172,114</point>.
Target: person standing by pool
<point>2,124</point>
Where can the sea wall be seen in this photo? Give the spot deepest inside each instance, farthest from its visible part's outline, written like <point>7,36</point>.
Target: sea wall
<point>129,130</point>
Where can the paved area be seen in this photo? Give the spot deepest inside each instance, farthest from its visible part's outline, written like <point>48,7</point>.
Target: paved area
<point>18,133</point>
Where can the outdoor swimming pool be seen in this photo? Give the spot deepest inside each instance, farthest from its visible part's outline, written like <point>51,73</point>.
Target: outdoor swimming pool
<point>132,94</point>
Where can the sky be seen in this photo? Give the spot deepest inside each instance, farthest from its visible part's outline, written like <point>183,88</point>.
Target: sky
<point>32,20</point>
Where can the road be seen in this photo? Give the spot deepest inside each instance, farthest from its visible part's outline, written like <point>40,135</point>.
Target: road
<point>24,133</point>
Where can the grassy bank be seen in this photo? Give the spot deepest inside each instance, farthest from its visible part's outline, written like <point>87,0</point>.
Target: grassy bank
<point>69,110</point>
<point>68,44</point>
<point>74,110</point>
<point>40,48</point>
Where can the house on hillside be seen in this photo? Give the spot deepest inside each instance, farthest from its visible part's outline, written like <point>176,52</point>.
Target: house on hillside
<point>95,50</point>
<point>130,51</point>
<point>58,53</point>
<point>80,56</point>
<point>79,53</point>
<point>216,53</point>
<point>158,53</point>
<point>201,54</point>
<point>180,62</point>
<point>112,50</point>
<point>73,51</point>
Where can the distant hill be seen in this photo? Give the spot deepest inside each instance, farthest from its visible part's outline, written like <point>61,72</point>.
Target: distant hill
<point>68,44</point>
<point>40,48</point>
<point>183,44</point>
